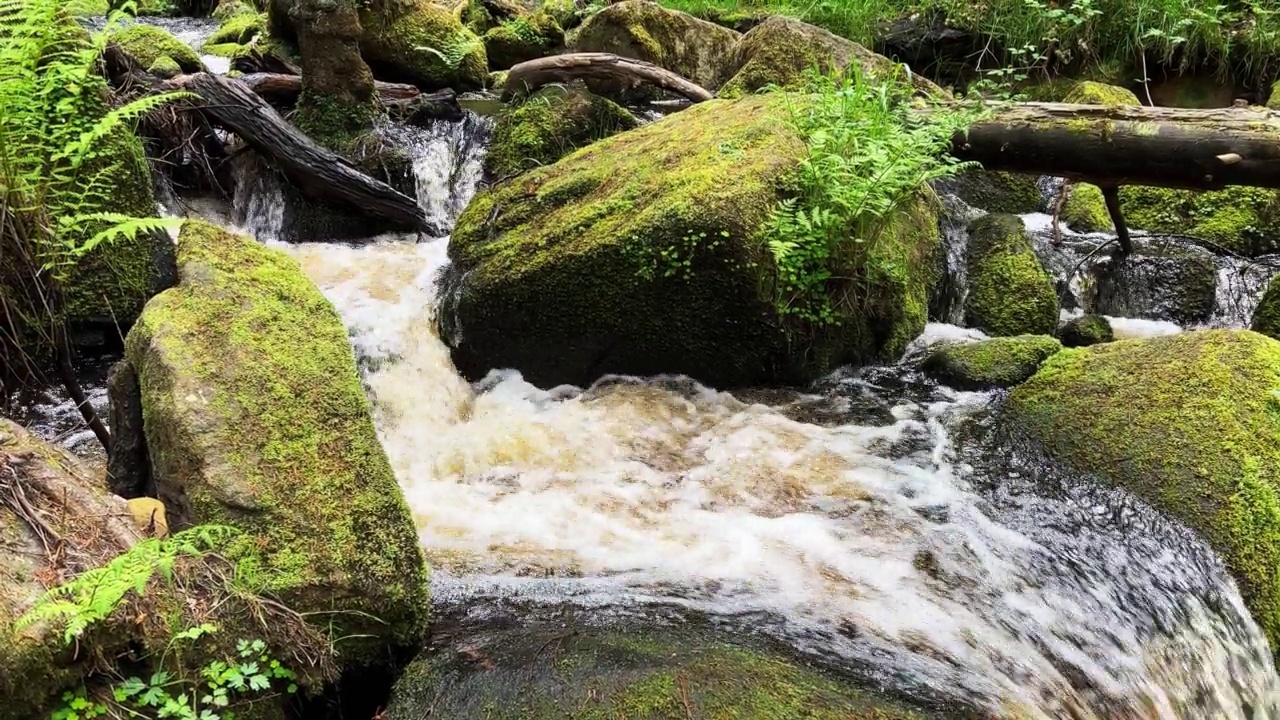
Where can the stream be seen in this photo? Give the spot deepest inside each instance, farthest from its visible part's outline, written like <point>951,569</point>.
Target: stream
<point>878,523</point>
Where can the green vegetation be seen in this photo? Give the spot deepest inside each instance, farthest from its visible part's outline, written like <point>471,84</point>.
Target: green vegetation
<point>996,363</point>
<point>422,42</point>
<point>526,38</point>
<point>1009,291</point>
<point>1243,220</point>
<point>1191,424</point>
<point>147,44</point>
<point>1266,317</point>
<point>548,125</point>
<point>75,239</point>
<point>1086,330</point>
<point>239,29</point>
<point>1088,92</point>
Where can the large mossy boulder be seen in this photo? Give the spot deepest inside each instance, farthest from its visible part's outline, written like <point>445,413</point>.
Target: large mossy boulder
<point>1266,317</point>
<point>1010,293</point>
<point>1191,424</point>
<point>781,50</point>
<point>255,417</point>
<point>696,49</point>
<point>148,43</point>
<point>527,37</point>
<point>1242,220</point>
<point>996,363</point>
<point>1159,281</point>
<point>423,43</point>
<point>542,672</point>
<point>641,254</point>
<point>550,124</point>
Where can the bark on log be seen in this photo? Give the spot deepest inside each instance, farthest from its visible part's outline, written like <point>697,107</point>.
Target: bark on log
<point>1114,146</point>
<point>316,171</point>
<point>284,89</point>
<point>527,77</point>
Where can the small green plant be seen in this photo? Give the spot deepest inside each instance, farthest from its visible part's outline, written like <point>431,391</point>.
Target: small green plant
<point>870,155</point>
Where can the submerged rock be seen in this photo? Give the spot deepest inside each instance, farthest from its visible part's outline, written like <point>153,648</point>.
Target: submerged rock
<point>696,49</point>
<point>255,418</point>
<point>1266,317</point>
<point>542,671</point>
<point>423,43</point>
<point>1086,330</point>
<point>550,124</point>
<point>996,363</point>
<point>640,255</point>
<point>525,38</point>
<point>780,50</point>
<point>1188,422</point>
<point>1242,220</point>
<point>1009,291</point>
<point>1159,281</point>
<point>148,43</point>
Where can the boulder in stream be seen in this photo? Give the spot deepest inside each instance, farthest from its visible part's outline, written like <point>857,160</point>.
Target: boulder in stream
<point>148,43</point>
<point>255,417</point>
<point>423,43</point>
<point>1191,424</point>
<point>1085,209</point>
<point>995,363</point>
<point>545,671</point>
<point>1163,279</point>
<point>1240,220</point>
<point>1009,291</point>
<point>527,37</point>
<point>695,49</point>
<point>1266,317</point>
<point>997,192</point>
<point>550,124</point>
<point>1086,330</point>
<point>640,255</point>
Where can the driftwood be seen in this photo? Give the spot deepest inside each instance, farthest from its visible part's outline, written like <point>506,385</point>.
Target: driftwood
<point>527,77</point>
<point>316,171</point>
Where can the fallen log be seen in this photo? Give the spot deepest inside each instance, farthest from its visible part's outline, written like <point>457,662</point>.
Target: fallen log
<point>284,89</point>
<point>316,171</point>
<point>527,77</point>
<point>1111,146</point>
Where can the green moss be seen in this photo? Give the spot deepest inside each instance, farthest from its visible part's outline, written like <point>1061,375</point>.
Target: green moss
<point>228,9</point>
<point>1273,98</point>
<point>424,43</point>
<point>1191,424</point>
<point>227,50</point>
<point>147,43</point>
<point>549,125</point>
<point>604,674</point>
<point>255,417</point>
<point>1085,209</point>
<point>239,29</point>
<point>165,67</point>
<point>997,363</point>
<point>1266,317</point>
<point>1089,92</point>
<point>525,38</point>
<point>698,50</point>
<point>999,192</point>
<point>564,12</point>
<point>1086,330</point>
<point>330,121</point>
<point>1243,220</point>
<point>87,8</point>
<point>1009,291</point>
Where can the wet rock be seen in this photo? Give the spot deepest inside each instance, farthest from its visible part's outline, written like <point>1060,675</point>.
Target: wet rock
<point>1266,317</point>
<point>128,468</point>
<point>1161,280</point>
<point>1086,330</point>
<point>550,124</point>
<point>256,418</point>
<point>524,38</point>
<point>996,363</point>
<point>996,192</point>
<point>1188,422</point>
<point>423,43</point>
<point>148,43</point>
<point>542,671</point>
<point>780,50</point>
<point>1009,291</point>
<point>645,244</point>
<point>696,49</point>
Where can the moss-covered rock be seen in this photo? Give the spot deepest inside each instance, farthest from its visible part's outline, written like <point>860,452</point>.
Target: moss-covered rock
<point>165,67</point>
<point>1266,317</point>
<point>1086,209</point>
<point>541,672</point>
<point>238,29</point>
<point>1159,281</point>
<point>148,43</point>
<point>1273,99</point>
<point>997,192</point>
<point>525,38</point>
<point>647,245</point>
<point>696,49</point>
<point>996,363</point>
<point>1243,220</point>
<point>1086,330</point>
<point>564,12</point>
<point>255,418</point>
<point>1088,92</point>
<point>550,124</point>
<point>1009,291</point>
<point>228,9</point>
<point>1191,424</point>
<point>421,42</point>
<point>780,50</point>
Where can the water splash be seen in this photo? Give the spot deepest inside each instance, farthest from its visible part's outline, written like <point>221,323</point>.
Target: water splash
<point>448,160</point>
